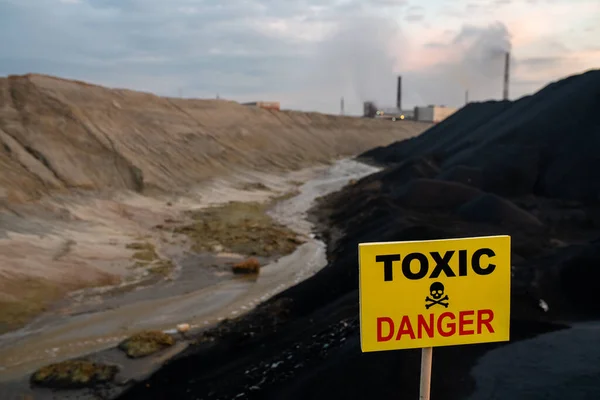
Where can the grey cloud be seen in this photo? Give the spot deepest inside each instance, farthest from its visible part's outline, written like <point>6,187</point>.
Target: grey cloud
<point>355,61</point>
<point>478,68</point>
<point>396,3</point>
<point>414,17</point>
<point>540,61</point>
<point>435,45</point>
<point>452,11</point>
<point>206,47</point>
<point>216,48</point>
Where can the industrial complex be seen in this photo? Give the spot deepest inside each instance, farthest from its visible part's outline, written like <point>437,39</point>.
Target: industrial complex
<point>430,113</point>
<point>268,105</point>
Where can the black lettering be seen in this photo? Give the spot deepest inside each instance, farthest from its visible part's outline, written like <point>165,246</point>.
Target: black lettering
<point>475,261</point>
<point>462,263</point>
<point>442,264</point>
<point>423,266</point>
<point>388,265</point>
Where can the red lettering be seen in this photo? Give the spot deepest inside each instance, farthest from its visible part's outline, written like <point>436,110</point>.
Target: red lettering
<point>462,322</point>
<point>405,328</point>
<point>422,325</point>
<point>448,324</point>
<point>451,325</point>
<point>380,321</point>
<point>487,321</point>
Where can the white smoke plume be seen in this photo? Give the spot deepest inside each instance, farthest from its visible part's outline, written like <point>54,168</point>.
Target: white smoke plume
<point>357,61</point>
<point>362,58</point>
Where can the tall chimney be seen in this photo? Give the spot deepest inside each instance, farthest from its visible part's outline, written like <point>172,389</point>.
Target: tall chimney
<point>466,97</point>
<point>399,94</point>
<point>506,74</point>
<point>342,106</point>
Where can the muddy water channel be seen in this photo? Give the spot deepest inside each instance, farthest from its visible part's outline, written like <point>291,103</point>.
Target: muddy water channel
<point>198,296</point>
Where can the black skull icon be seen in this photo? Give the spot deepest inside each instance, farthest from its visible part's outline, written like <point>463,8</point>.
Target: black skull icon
<point>436,290</point>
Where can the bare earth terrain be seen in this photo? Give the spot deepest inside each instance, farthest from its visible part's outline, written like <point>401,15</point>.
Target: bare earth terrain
<point>102,192</point>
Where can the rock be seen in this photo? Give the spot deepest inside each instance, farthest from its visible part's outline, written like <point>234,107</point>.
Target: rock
<point>249,266</point>
<point>146,343</point>
<point>217,248</point>
<point>73,374</point>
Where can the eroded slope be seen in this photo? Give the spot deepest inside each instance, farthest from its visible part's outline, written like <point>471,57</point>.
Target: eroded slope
<point>58,134</point>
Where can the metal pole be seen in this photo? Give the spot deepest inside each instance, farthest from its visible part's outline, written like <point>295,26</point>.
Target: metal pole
<point>506,75</point>
<point>426,358</point>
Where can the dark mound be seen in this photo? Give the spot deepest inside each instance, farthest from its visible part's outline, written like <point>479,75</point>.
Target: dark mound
<point>523,168</point>
<point>544,144</point>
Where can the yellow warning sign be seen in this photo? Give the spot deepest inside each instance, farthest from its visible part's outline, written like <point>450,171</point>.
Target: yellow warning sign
<point>434,293</point>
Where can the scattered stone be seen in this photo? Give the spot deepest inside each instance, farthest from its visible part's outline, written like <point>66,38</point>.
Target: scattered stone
<point>249,266</point>
<point>146,343</point>
<point>73,374</point>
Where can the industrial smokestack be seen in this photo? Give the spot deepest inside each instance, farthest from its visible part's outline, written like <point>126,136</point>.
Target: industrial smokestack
<point>466,97</point>
<point>506,74</point>
<point>342,106</point>
<point>399,94</point>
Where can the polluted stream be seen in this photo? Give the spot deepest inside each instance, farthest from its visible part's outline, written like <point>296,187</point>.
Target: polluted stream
<point>162,306</point>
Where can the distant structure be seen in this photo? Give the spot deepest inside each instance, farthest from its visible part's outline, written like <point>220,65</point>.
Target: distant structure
<point>432,113</point>
<point>342,106</point>
<point>429,113</point>
<point>466,97</point>
<point>268,105</point>
<point>506,75</point>
<point>399,94</point>
<point>369,109</point>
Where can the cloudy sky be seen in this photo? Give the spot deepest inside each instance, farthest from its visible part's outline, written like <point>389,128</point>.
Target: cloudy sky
<point>305,53</point>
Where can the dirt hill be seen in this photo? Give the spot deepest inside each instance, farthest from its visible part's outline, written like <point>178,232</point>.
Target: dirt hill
<point>88,174</point>
<point>57,134</point>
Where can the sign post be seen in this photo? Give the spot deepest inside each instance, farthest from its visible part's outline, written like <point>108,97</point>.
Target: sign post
<point>426,358</point>
<point>425,294</point>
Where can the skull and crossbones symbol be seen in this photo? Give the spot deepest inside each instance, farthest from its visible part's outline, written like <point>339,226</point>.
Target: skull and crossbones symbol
<point>436,290</point>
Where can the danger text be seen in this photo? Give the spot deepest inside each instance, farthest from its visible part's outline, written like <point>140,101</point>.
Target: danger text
<point>446,324</point>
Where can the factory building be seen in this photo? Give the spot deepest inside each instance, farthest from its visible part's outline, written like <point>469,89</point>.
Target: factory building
<point>269,105</point>
<point>429,113</point>
<point>433,113</point>
<point>393,113</point>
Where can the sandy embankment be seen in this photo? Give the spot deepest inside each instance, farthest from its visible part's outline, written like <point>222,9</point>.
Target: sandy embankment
<point>87,175</point>
<point>198,294</point>
<point>102,167</point>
